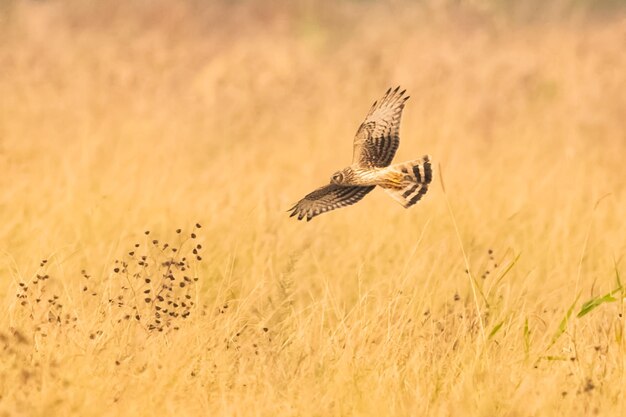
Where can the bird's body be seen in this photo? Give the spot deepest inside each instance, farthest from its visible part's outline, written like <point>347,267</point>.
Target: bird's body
<point>375,145</point>
<point>356,175</point>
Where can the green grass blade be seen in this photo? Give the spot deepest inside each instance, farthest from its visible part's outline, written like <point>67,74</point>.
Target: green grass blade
<point>594,303</point>
<point>526,336</point>
<point>508,268</point>
<point>563,325</point>
<point>495,329</point>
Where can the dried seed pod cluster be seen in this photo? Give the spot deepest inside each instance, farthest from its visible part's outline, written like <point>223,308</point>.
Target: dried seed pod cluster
<point>153,285</point>
<point>157,282</point>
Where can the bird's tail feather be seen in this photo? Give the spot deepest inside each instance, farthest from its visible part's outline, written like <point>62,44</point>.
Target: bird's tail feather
<point>416,176</point>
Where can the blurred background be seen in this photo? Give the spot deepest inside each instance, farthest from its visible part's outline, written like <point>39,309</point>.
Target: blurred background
<point>122,116</point>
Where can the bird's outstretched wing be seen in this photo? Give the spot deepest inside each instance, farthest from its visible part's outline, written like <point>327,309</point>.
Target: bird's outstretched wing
<point>327,198</point>
<point>378,137</point>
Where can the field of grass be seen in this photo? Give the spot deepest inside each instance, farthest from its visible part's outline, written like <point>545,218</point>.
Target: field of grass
<point>500,294</point>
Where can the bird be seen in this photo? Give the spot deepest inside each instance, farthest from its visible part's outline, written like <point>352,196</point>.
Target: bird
<point>375,144</point>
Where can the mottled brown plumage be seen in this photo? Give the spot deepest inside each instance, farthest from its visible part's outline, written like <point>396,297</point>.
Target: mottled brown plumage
<point>375,145</point>
<point>378,137</point>
<point>328,197</point>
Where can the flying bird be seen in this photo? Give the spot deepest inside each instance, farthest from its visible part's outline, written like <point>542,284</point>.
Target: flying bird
<point>375,145</point>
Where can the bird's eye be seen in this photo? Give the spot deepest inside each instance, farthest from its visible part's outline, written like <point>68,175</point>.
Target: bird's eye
<point>337,177</point>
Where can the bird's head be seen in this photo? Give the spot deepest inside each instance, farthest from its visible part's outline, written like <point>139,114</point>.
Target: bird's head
<point>337,178</point>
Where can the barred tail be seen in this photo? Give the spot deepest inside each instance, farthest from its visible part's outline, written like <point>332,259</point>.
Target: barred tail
<point>416,176</point>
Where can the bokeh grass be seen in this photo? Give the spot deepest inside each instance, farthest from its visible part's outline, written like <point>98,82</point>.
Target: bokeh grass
<point>116,119</point>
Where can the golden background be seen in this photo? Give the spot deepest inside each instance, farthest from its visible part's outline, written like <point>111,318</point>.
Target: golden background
<point>121,117</point>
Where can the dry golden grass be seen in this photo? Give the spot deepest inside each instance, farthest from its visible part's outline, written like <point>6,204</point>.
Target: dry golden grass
<point>116,119</point>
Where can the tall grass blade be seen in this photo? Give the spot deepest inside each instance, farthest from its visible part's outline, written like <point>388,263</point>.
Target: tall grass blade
<point>564,322</point>
<point>594,303</point>
<point>526,336</point>
<point>495,330</point>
